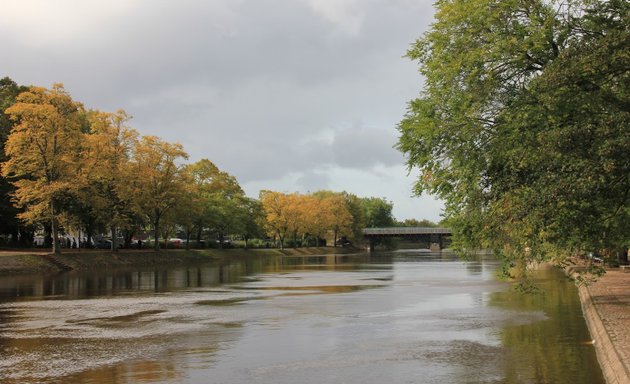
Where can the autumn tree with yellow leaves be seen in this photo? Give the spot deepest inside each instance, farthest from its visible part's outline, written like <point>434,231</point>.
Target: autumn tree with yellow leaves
<point>158,183</point>
<point>338,215</point>
<point>275,213</point>
<point>301,215</point>
<point>90,171</point>
<point>44,150</point>
<point>107,175</point>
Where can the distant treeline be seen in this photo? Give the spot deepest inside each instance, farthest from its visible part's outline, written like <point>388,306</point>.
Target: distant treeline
<point>67,169</point>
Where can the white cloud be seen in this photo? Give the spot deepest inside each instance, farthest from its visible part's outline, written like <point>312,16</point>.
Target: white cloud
<point>40,22</point>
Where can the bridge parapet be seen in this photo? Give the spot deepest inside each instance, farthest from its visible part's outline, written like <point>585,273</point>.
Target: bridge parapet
<point>434,235</point>
<point>405,231</point>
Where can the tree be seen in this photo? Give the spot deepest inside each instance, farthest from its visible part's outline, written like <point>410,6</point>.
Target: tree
<point>335,213</point>
<point>9,90</point>
<point>523,124</point>
<point>202,174</point>
<point>158,184</point>
<point>340,218</point>
<point>221,198</point>
<point>275,206</point>
<point>191,212</point>
<point>377,212</point>
<point>355,208</point>
<point>416,223</point>
<point>247,217</point>
<point>311,219</point>
<point>43,150</point>
<point>106,171</point>
<point>296,212</point>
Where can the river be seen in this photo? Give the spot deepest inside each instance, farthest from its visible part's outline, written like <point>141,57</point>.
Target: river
<point>399,317</point>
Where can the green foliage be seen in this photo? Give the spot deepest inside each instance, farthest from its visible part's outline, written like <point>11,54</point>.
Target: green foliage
<point>523,126</point>
<point>377,212</point>
<point>218,205</point>
<point>416,223</point>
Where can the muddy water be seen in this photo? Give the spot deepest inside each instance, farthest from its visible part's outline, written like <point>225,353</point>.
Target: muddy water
<point>405,317</point>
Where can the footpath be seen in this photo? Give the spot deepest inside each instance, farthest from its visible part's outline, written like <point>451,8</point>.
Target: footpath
<point>606,307</point>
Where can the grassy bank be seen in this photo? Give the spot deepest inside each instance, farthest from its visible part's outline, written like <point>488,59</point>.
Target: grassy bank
<point>38,262</point>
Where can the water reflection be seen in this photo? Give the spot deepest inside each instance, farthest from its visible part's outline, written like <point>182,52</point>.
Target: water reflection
<point>74,285</point>
<point>541,346</point>
<point>395,317</point>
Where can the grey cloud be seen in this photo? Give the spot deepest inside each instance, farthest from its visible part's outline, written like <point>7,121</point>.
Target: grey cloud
<point>266,89</point>
<point>363,148</point>
<point>312,181</point>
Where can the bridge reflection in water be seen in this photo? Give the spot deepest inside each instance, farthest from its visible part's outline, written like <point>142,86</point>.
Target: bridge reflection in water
<point>435,236</point>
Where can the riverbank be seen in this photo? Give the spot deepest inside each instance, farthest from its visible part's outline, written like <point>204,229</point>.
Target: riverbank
<point>40,262</point>
<point>606,308</point>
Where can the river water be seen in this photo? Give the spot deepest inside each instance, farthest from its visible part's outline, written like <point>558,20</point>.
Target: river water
<point>401,317</point>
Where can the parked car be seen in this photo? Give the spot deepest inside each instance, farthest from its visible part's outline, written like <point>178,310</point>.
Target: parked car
<point>175,242</point>
<point>104,243</point>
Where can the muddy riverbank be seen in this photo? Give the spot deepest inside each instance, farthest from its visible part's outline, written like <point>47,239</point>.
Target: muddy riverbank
<point>40,262</point>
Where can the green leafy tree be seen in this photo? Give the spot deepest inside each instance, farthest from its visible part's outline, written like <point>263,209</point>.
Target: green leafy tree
<point>203,174</point>
<point>377,212</point>
<point>219,200</point>
<point>355,208</point>
<point>523,124</point>
<point>190,212</point>
<point>416,223</point>
<point>247,218</point>
<point>224,200</point>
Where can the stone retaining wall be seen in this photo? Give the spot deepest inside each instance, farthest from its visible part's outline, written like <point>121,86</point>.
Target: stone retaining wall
<point>612,364</point>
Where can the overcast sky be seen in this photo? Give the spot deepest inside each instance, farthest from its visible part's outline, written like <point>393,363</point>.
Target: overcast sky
<point>286,95</point>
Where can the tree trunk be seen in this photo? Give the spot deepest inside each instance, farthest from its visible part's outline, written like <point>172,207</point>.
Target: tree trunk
<point>281,240</point>
<point>199,229</point>
<point>55,235</point>
<point>89,230</point>
<point>128,235</point>
<point>114,239</point>
<point>15,237</point>
<point>156,233</point>
<point>48,243</point>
